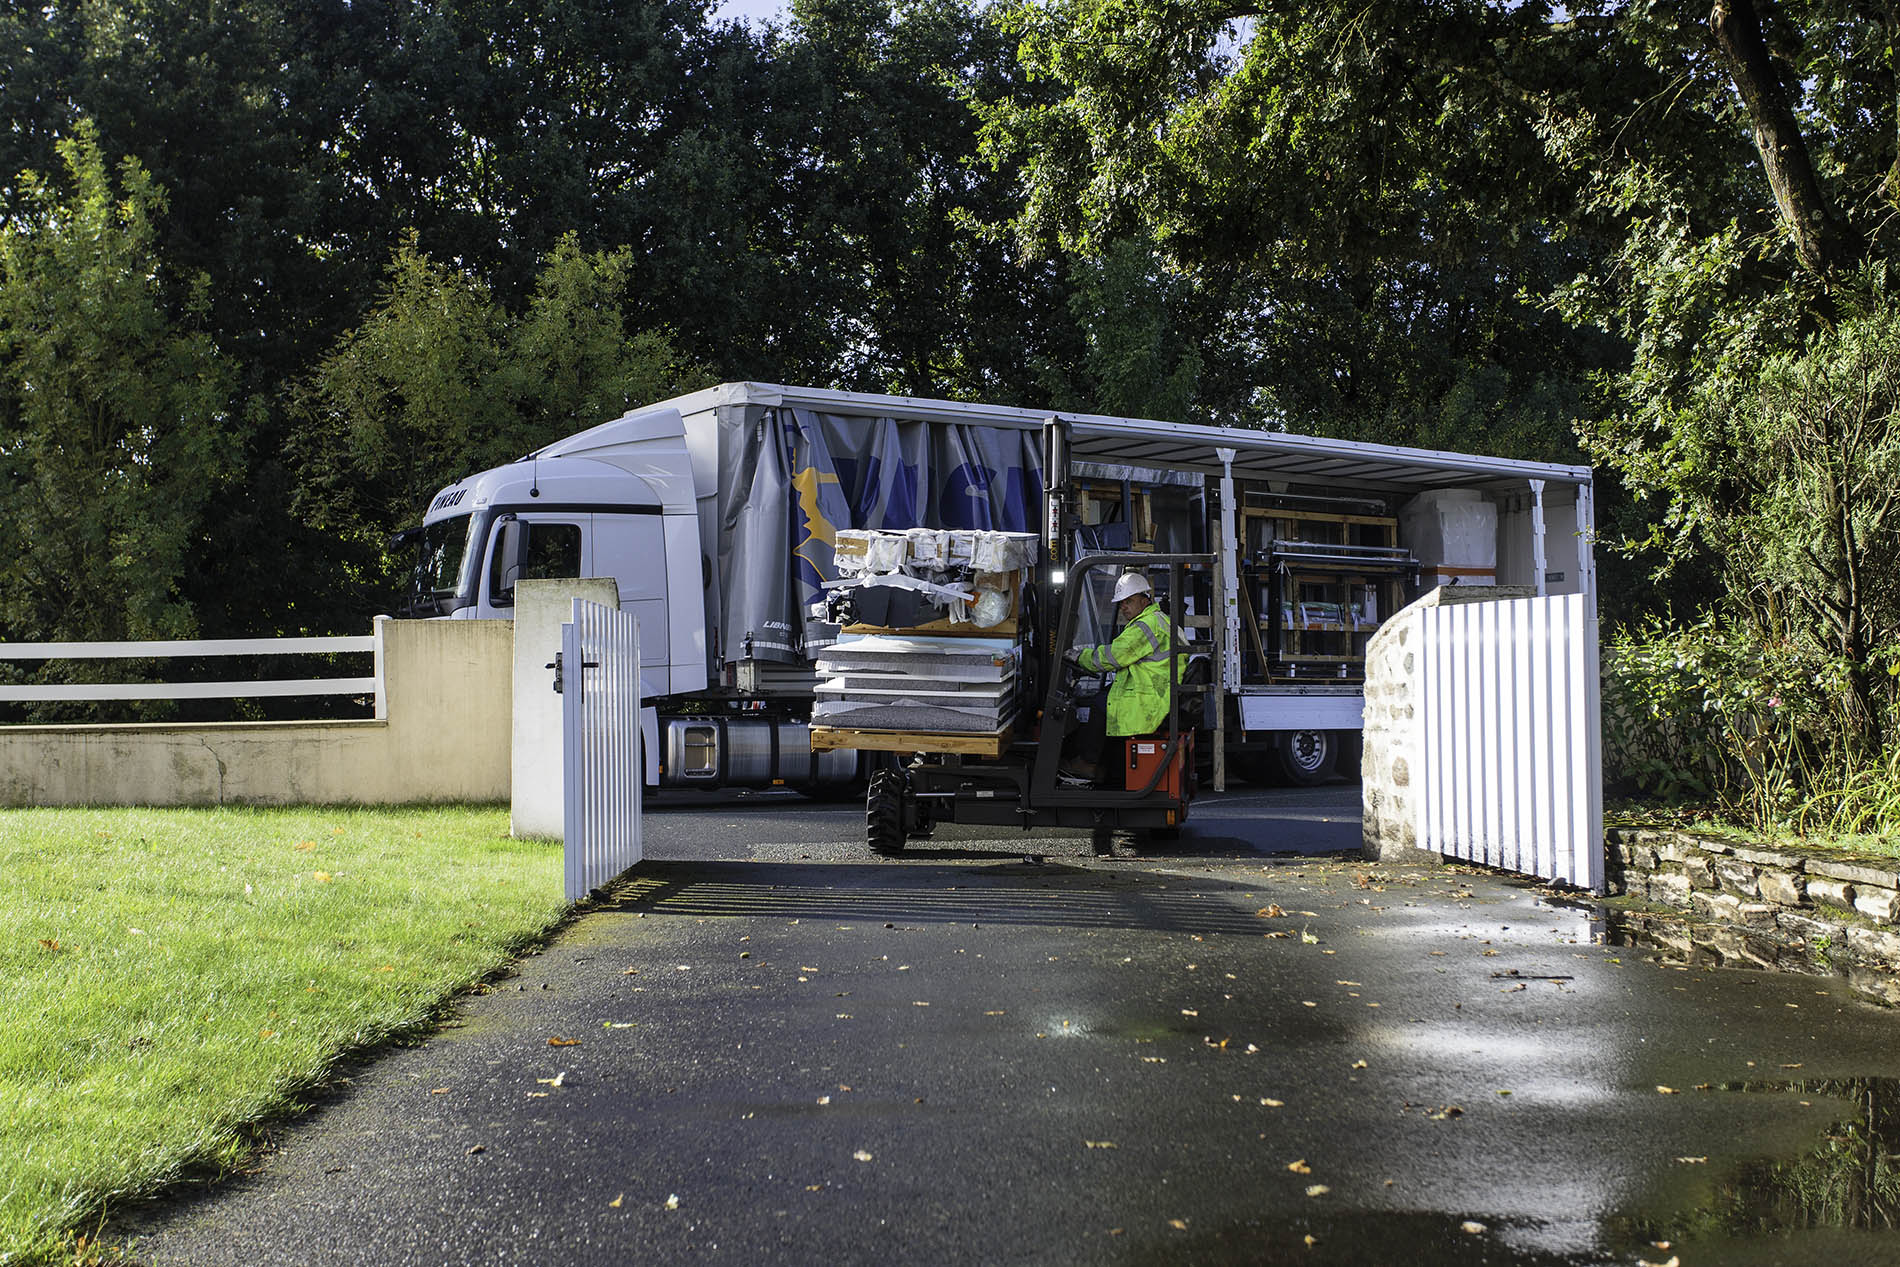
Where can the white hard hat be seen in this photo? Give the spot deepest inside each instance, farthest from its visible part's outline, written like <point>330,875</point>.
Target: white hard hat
<point>1131,583</point>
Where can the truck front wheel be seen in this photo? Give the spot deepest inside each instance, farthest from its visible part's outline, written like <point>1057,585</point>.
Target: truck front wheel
<point>1306,757</point>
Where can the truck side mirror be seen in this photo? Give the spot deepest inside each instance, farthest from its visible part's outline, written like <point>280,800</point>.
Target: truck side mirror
<point>505,562</point>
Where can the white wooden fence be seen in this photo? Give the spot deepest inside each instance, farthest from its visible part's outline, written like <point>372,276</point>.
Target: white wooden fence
<point>254,689</point>
<point>1511,736</point>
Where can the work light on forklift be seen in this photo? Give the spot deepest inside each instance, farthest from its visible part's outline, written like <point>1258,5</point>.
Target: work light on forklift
<point>1058,576</point>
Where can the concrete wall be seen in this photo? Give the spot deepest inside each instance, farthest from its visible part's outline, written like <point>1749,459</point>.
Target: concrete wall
<point>444,736</point>
<point>1390,781</point>
<point>538,805</point>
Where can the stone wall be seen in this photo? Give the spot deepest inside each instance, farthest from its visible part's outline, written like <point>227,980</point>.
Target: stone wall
<point>1782,908</point>
<point>1388,808</point>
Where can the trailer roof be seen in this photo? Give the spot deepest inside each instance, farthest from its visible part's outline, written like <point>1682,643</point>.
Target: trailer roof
<point>1177,445</point>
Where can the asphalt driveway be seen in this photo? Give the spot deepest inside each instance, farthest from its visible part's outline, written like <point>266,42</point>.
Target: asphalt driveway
<point>771,1047</point>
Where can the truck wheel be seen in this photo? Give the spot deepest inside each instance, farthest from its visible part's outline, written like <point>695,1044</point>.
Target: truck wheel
<point>884,812</point>
<point>1306,757</point>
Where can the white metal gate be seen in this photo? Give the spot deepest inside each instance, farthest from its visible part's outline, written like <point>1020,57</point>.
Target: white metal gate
<point>1511,738</point>
<point>599,680</point>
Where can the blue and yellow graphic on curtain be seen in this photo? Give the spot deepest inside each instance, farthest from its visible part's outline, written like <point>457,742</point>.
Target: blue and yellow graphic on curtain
<point>818,508</point>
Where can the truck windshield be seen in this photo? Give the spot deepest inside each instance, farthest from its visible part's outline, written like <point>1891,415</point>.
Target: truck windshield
<point>439,583</point>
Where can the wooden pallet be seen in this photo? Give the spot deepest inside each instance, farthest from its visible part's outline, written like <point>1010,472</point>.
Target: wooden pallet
<point>968,744</point>
<point>940,629</point>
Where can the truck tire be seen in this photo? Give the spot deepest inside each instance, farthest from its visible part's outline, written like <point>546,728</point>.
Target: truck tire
<point>884,812</point>
<point>1306,757</point>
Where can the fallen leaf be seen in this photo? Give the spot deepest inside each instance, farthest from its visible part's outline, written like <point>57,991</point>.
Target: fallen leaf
<point>1472,1227</point>
<point>1154,1060</point>
<point>1274,1104</point>
<point>1272,911</point>
<point>1299,1167</point>
<point>919,1003</point>
<point>995,1013</point>
<point>1665,1091</point>
<point>477,1148</point>
<point>1188,1011</point>
<point>1690,1161</point>
<point>558,1041</point>
<point>1311,1240</point>
<point>50,943</point>
<point>557,1080</point>
<point>824,1099</point>
<point>616,1024</point>
<point>1358,1064</point>
<point>321,877</point>
<point>1179,1225</point>
<point>1099,1143</point>
<point>1309,939</point>
<point>1673,1262</point>
<point>629,972</point>
<point>306,846</point>
<point>1346,983</point>
<point>615,1203</point>
<point>861,1155</point>
<point>438,1090</point>
<point>1317,1190</point>
<point>673,1201</point>
<point>1793,1066</point>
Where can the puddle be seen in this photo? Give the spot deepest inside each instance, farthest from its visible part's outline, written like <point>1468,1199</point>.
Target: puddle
<point>1765,1210</point>
<point>1676,938</point>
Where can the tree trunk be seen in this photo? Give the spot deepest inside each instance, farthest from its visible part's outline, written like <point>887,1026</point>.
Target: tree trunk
<point>1821,240</point>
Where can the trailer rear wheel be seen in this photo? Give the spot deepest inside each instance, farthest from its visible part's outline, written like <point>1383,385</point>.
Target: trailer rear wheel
<point>1306,757</point>
<point>884,812</point>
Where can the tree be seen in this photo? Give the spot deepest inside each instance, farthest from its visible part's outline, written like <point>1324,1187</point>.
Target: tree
<point>1359,186</point>
<point>116,413</point>
<point>1140,358</point>
<point>441,380</point>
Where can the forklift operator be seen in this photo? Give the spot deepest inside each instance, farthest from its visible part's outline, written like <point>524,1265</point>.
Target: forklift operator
<point>1138,699</point>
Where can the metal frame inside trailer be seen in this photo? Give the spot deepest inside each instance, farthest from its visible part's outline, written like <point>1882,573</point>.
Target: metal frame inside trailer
<point>1230,453</point>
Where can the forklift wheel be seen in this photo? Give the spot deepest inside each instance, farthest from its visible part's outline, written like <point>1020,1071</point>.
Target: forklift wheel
<point>884,812</point>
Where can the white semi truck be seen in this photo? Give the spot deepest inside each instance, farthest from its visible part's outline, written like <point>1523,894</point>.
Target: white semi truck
<point>715,512</point>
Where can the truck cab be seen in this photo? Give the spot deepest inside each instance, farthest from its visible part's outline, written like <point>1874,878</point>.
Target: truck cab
<point>614,501</point>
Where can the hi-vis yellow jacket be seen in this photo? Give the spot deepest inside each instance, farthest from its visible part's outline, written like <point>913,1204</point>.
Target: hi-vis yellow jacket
<point>1138,699</point>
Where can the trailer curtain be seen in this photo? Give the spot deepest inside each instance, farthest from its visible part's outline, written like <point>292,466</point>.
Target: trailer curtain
<point>793,477</point>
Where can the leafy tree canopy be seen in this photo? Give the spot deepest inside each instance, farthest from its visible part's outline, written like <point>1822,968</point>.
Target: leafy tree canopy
<point>117,412</point>
<point>442,379</point>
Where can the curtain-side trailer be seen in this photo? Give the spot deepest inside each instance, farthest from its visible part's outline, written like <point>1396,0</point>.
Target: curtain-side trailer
<point>716,512</point>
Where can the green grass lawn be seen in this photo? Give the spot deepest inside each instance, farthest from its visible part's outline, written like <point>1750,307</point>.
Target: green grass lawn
<point>168,977</point>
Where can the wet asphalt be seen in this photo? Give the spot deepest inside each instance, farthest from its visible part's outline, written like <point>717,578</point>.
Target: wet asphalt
<point>1244,1046</point>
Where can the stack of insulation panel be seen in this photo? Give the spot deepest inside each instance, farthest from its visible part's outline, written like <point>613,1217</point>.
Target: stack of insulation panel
<point>918,684</point>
